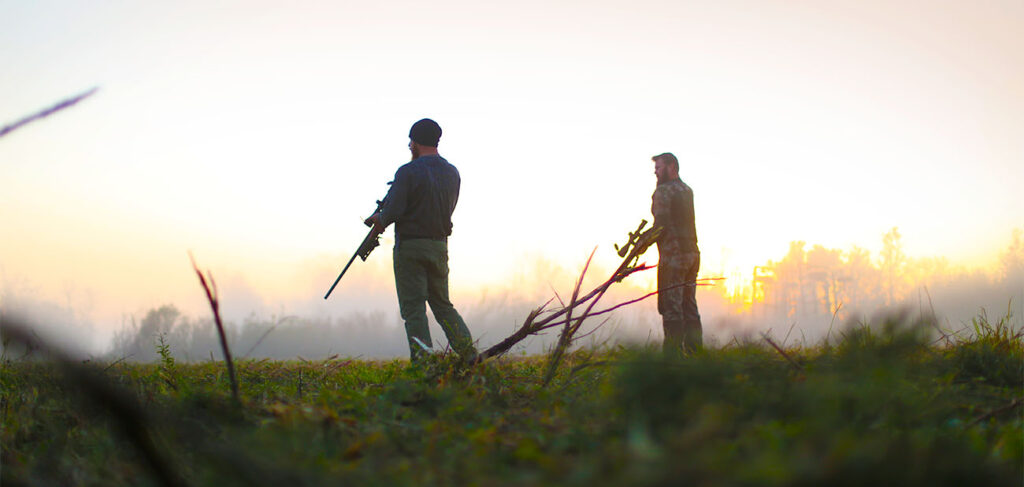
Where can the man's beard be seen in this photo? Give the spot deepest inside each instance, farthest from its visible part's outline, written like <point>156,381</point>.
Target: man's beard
<point>666,177</point>
<point>415,153</point>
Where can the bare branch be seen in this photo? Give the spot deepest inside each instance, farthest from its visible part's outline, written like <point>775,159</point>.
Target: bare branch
<point>637,244</point>
<point>47,112</point>
<point>565,338</point>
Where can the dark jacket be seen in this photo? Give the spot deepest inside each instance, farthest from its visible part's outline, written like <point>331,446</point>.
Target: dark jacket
<point>422,199</point>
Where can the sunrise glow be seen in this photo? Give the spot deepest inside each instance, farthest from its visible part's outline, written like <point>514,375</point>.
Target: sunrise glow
<point>258,136</point>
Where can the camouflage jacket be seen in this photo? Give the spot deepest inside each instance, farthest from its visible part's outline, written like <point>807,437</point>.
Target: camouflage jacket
<point>672,207</point>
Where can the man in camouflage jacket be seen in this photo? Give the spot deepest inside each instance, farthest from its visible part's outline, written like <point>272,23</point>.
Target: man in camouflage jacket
<point>679,257</point>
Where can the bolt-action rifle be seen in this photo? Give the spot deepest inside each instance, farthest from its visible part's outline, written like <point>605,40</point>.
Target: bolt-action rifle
<point>640,239</point>
<point>371,242</point>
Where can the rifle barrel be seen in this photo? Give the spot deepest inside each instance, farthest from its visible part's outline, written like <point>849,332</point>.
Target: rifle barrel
<point>336,281</point>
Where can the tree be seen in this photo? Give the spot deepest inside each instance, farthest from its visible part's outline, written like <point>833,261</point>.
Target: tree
<point>825,271</point>
<point>138,340</point>
<point>790,279</point>
<point>1013,260</point>
<point>893,262</point>
<point>864,278</point>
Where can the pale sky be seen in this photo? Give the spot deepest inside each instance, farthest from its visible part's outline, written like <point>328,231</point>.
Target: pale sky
<point>258,136</point>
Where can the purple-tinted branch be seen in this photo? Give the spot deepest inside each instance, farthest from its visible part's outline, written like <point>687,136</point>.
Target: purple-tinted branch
<point>47,112</point>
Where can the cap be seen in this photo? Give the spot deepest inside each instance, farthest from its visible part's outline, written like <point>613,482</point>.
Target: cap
<point>425,132</point>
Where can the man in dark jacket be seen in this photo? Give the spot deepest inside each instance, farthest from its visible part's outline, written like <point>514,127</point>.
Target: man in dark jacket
<point>678,257</point>
<point>420,203</point>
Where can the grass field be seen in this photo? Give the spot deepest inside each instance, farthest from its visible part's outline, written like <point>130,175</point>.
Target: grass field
<point>883,405</point>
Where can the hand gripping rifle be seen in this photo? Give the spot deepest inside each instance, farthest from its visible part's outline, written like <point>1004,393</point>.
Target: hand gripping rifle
<point>371,242</point>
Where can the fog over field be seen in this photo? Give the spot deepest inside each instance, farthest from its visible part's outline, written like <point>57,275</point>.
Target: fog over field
<point>361,318</point>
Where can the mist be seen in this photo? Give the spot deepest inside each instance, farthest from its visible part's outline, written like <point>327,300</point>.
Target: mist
<point>810,294</point>
<point>814,293</point>
<point>361,318</point>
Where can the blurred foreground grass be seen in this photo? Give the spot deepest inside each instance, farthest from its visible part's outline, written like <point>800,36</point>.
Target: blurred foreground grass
<point>883,405</point>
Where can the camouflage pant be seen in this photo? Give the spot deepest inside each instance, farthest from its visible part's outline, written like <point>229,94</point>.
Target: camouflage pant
<point>421,277</point>
<point>677,299</point>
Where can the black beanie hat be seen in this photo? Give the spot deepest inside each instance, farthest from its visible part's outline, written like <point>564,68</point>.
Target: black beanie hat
<point>425,132</point>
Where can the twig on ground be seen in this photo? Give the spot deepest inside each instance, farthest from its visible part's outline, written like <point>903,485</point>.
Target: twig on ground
<point>781,351</point>
<point>112,364</point>
<point>637,244</point>
<point>590,364</point>
<point>1009,407</point>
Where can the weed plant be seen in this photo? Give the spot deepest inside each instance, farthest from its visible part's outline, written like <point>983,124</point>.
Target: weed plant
<point>882,405</point>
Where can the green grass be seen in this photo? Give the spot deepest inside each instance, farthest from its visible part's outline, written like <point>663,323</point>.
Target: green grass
<point>883,407</point>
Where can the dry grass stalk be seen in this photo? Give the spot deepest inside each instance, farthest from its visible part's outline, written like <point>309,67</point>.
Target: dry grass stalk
<point>212,297</point>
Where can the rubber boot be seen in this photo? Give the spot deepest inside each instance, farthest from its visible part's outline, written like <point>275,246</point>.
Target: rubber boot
<point>693,337</point>
<point>672,347</point>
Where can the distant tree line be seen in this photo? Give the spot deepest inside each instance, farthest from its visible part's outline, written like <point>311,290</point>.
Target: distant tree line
<point>287,338</point>
<point>827,281</point>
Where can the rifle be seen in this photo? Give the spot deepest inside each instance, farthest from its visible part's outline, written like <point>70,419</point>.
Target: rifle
<point>371,242</point>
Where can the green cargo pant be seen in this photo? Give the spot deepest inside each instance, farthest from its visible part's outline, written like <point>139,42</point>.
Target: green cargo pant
<point>421,276</point>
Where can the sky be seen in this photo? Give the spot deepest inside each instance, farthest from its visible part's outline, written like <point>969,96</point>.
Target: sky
<point>258,135</point>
